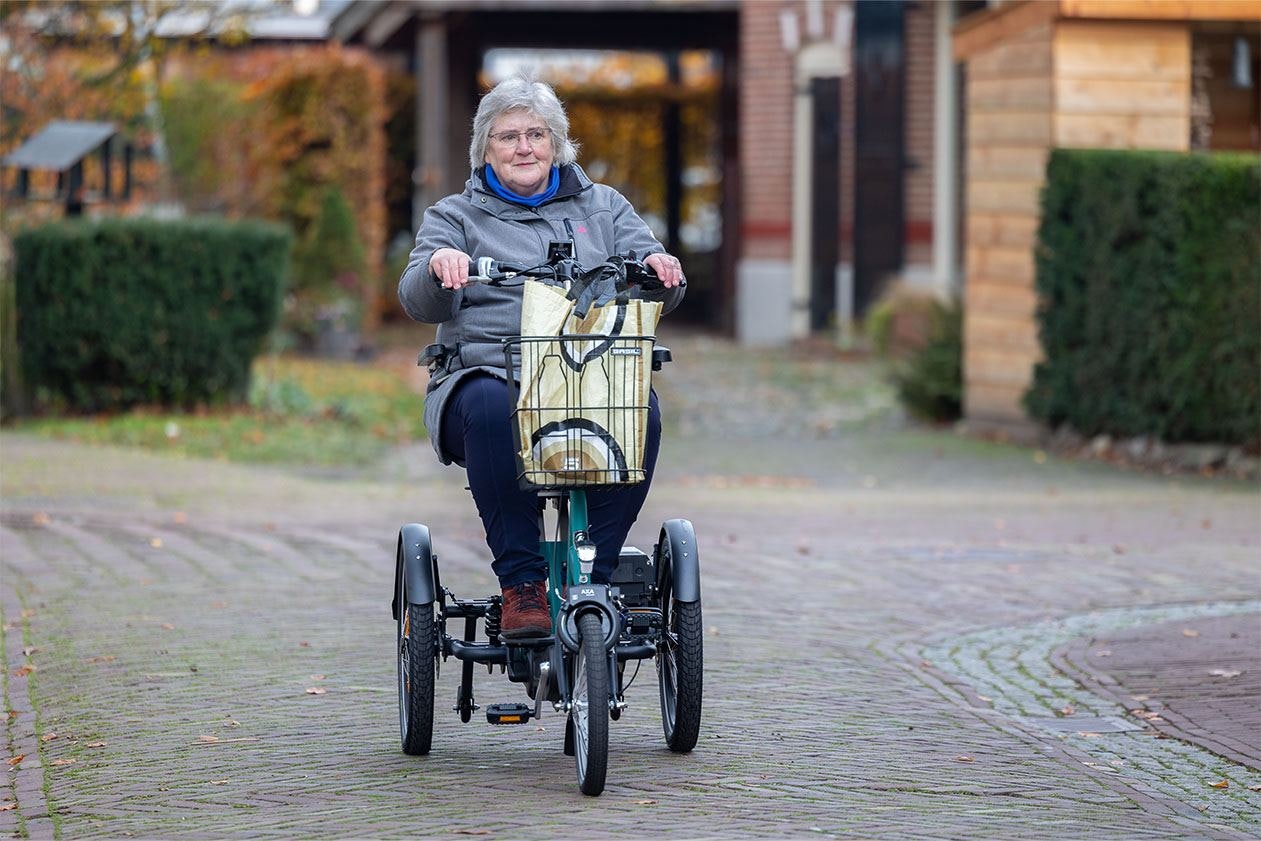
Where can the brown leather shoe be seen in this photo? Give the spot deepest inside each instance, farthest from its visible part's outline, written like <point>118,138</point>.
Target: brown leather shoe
<point>525,612</point>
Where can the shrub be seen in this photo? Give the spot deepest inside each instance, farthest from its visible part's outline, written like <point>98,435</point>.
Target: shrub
<point>124,312</point>
<point>1149,275</point>
<point>929,378</point>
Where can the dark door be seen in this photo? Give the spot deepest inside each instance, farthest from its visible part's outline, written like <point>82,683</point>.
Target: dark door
<point>879,68</point>
<point>825,201</point>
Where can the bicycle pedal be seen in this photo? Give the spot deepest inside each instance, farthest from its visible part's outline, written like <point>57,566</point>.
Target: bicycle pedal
<point>509,713</point>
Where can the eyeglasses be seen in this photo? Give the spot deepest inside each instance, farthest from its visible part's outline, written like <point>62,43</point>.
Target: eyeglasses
<point>533,136</point>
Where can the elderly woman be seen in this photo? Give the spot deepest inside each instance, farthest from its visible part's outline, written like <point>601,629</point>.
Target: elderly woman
<point>526,190</point>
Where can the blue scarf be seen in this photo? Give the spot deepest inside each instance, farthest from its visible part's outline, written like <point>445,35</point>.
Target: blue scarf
<point>553,184</point>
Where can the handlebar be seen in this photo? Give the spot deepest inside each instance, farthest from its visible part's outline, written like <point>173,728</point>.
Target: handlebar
<point>495,272</point>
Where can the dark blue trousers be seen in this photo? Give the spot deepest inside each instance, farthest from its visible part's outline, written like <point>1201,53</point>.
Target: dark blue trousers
<point>476,430</point>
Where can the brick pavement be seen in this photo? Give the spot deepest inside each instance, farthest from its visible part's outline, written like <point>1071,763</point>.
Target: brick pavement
<point>1196,680</point>
<point>177,611</point>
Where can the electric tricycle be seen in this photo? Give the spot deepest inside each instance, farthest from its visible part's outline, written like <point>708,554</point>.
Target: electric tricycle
<point>650,609</point>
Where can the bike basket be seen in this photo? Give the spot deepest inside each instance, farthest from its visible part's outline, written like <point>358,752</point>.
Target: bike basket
<point>580,412</point>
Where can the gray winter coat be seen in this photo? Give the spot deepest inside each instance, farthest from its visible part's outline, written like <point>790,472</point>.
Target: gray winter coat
<point>475,319</point>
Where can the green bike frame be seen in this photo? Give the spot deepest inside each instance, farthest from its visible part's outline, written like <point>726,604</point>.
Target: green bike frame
<point>563,566</point>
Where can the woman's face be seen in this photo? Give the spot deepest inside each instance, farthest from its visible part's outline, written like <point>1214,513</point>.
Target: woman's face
<point>521,166</point>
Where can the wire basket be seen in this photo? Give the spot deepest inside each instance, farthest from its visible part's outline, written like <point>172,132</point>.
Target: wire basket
<point>580,409</point>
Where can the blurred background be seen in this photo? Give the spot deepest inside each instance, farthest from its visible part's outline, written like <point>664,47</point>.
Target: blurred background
<point>1040,213</point>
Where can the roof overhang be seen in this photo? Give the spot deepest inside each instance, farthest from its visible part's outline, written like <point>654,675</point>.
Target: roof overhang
<point>60,145</point>
<point>372,23</point>
<point>983,29</point>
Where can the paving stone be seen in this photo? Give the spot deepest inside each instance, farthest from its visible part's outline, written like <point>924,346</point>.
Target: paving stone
<point>867,588</point>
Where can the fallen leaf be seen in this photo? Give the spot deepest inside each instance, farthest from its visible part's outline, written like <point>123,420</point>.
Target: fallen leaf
<point>106,658</point>
<point>316,690</point>
<point>96,744</point>
<point>14,760</point>
<point>304,644</point>
<point>8,807</point>
<point>1138,697</point>
<point>13,714</point>
<point>1104,652</point>
<point>1190,632</point>
<point>64,761</point>
<point>1225,673</point>
<point>29,650</point>
<point>39,518</point>
<point>231,723</point>
<point>23,671</point>
<point>155,542</point>
<point>317,677</point>
<point>167,626</point>
<point>645,802</point>
<point>1067,709</point>
<point>207,738</point>
<point>964,758</point>
<point>1254,788</point>
<point>219,782</point>
<point>180,517</point>
<point>1220,784</point>
<point>48,737</point>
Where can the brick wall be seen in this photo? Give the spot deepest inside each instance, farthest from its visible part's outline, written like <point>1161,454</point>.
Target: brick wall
<point>766,136</point>
<point>920,27</point>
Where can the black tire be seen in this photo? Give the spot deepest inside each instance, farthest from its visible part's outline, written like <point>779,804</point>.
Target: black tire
<point>417,667</point>
<point>680,672</point>
<point>589,713</point>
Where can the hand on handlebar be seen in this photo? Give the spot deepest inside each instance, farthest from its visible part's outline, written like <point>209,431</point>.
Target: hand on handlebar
<point>450,266</point>
<point>668,268</point>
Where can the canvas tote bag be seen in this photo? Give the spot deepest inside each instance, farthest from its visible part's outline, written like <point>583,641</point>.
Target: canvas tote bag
<point>582,407</point>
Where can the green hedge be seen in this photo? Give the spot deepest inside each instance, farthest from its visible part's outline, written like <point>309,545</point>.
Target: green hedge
<point>140,311</point>
<point>1149,275</point>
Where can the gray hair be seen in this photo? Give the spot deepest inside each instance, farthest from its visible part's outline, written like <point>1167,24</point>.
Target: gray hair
<point>522,92</point>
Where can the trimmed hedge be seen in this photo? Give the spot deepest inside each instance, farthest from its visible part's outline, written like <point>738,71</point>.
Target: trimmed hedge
<point>141,311</point>
<point>1149,277</point>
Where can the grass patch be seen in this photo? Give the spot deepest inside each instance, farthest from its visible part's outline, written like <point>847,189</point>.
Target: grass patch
<point>300,411</point>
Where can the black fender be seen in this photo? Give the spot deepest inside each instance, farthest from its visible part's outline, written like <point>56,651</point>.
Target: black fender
<point>414,565</point>
<point>678,561</point>
<point>588,598</point>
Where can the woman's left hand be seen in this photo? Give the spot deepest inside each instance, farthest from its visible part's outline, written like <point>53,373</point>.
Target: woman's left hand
<point>668,268</point>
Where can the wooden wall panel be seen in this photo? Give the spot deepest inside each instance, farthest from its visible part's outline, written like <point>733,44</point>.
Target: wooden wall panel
<point>1001,367</point>
<point>986,401</point>
<point>1099,50</point>
<point>1122,131</point>
<point>1010,128</point>
<point>1009,333</point>
<point>1002,229</point>
<point>1012,263</point>
<point>1122,85</point>
<point>997,296</point>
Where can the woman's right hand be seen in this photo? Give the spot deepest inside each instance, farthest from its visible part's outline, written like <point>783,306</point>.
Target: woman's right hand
<point>450,266</point>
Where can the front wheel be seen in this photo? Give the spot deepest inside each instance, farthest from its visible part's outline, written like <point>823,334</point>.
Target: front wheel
<point>417,663</point>
<point>589,712</point>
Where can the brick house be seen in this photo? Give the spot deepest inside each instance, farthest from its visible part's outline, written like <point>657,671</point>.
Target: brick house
<point>874,195</point>
<point>866,143</point>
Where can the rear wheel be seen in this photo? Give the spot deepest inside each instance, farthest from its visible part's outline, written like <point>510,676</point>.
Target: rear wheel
<point>589,713</point>
<point>417,667</point>
<point>680,663</point>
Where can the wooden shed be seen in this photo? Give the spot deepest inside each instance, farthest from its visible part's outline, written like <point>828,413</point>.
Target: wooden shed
<point>1043,74</point>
